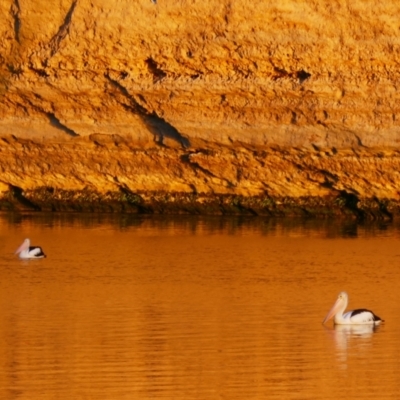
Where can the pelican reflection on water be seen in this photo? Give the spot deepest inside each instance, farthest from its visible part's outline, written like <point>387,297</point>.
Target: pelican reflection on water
<point>360,316</point>
<point>353,330</point>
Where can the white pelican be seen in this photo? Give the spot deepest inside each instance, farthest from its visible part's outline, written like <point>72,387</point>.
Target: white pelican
<point>356,317</point>
<point>28,251</point>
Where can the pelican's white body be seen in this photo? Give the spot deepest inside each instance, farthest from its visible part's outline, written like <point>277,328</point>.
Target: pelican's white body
<point>356,317</point>
<point>27,251</point>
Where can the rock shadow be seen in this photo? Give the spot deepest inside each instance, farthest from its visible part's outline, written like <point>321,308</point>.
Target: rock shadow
<point>54,121</point>
<point>162,129</point>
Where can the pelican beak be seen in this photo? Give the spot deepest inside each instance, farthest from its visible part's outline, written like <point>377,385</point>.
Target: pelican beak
<point>332,311</point>
<point>23,246</point>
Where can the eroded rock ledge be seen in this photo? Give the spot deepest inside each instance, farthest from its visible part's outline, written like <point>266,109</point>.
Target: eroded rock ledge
<point>112,174</point>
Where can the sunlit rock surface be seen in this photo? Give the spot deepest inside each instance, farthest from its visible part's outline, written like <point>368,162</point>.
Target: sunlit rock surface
<point>272,108</point>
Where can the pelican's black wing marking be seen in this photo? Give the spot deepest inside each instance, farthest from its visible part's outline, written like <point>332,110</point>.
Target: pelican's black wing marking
<point>37,251</point>
<point>361,310</point>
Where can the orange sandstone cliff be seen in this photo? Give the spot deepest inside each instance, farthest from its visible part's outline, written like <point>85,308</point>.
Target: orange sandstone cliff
<point>201,106</point>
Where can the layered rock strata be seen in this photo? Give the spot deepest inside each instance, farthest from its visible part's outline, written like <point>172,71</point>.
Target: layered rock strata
<point>287,108</point>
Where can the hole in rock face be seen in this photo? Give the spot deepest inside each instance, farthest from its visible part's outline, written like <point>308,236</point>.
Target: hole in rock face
<point>302,75</point>
<point>154,69</point>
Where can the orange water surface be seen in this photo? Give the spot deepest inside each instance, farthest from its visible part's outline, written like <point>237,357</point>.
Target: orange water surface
<point>182,308</point>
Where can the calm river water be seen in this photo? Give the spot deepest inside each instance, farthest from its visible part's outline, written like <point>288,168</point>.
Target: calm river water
<point>182,308</point>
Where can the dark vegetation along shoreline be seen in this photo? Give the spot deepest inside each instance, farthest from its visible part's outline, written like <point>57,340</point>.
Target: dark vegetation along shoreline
<point>343,205</point>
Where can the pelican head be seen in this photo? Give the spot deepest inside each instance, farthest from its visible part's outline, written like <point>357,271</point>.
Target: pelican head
<point>339,306</point>
<point>24,246</point>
